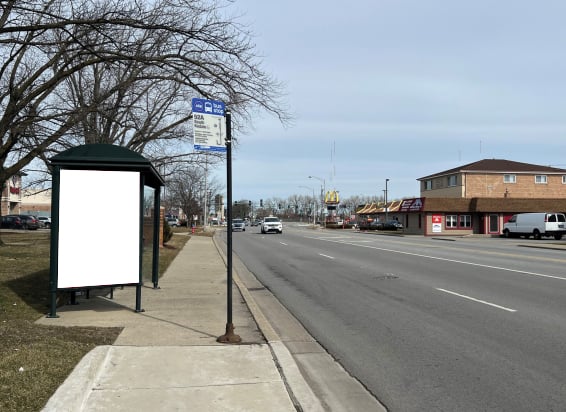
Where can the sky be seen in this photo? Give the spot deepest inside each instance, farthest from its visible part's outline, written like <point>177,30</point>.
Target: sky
<point>401,89</point>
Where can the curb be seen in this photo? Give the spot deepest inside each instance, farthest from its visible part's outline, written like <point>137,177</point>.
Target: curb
<point>299,390</point>
<point>73,393</point>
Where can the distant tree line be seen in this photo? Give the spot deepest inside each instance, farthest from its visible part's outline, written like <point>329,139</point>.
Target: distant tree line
<point>297,206</point>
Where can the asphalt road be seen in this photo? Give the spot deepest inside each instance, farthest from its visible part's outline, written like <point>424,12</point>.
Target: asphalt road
<point>426,324</point>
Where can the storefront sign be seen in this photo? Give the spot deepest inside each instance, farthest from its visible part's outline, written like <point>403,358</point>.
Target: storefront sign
<point>436,223</point>
<point>412,205</point>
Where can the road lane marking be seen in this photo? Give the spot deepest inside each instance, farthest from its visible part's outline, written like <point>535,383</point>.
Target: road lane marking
<point>326,256</point>
<point>476,300</point>
<point>485,252</point>
<point>283,243</point>
<point>444,259</point>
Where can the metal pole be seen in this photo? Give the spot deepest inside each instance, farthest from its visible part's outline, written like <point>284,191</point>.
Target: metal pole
<point>140,252</point>
<point>314,206</point>
<point>156,227</point>
<point>386,208</point>
<point>54,245</point>
<point>229,336</point>
<point>322,193</point>
<point>205,218</point>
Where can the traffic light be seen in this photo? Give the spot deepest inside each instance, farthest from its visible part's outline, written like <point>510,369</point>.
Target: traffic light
<point>260,202</point>
<point>279,206</point>
<point>250,203</point>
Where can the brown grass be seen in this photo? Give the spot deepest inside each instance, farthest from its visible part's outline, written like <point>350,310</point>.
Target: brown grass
<point>36,359</point>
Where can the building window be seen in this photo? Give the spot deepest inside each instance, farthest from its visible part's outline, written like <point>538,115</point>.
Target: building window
<point>540,179</point>
<point>451,221</point>
<point>458,221</point>
<point>564,179</point>
<point>509,179</point>
<point>465,222</point>
<point>452,180</point>
<point>428,184</point>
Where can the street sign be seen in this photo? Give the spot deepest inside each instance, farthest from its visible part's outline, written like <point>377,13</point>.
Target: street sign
<point>209,125</point>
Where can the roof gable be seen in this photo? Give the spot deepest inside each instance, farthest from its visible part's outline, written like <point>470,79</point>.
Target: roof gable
<point>497,166</point>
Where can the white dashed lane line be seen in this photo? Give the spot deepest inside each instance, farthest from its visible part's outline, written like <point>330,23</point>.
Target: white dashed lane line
<point>476,300</point>
<point>326,256</point>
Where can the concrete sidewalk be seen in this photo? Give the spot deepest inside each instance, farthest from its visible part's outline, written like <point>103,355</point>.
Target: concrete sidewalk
<point>167,357</point>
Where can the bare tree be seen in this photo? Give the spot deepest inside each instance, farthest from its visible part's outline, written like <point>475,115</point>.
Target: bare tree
<point>120,71</point>
<point>189,189</point>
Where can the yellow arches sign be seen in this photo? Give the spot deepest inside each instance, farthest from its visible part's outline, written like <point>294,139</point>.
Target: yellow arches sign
<point>332,197</point>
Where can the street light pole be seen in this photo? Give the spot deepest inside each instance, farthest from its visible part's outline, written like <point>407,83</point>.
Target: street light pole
<point>313,199</point>
<point>322,192</point>
<point>386,208</point>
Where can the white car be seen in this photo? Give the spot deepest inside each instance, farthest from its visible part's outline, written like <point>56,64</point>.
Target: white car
<point>44,221</point>
<point>173,221</point>
<point>238,224</point>
<point>271,224</point>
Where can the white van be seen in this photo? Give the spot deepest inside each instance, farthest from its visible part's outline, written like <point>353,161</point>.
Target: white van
<point>536,225</point>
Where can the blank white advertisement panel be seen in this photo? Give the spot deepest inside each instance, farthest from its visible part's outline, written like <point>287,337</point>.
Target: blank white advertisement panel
<point>99,228</point>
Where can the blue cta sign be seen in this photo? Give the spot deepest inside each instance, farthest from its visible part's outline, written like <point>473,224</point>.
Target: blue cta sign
<point>209,125</point>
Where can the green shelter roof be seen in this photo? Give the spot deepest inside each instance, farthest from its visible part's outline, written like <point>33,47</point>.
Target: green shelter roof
<point>101,156</point>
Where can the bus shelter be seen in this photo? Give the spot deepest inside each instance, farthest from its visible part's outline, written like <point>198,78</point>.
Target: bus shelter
<point>99,204</point>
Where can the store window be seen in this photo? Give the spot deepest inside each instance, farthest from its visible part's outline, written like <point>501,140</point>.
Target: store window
<point>458,221</point>
<point>465,222</point>
<point>451,221</point>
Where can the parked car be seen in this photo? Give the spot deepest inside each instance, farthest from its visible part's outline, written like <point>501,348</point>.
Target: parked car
<point>392,225</point>
<point>172,221</point>
<point>238,224</point>
<point>536,225</point>
<point>389,225</point>
<point>44,221</point>
<point>352,224</point>
<point>26,222</point>
<point>375,225</point>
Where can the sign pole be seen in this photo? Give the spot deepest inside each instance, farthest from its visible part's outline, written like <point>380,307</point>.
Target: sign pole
<point>229,336</point>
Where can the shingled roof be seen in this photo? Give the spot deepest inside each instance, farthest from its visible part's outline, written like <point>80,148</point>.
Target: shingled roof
<point>498,166</point>
<point>495,205</point>
<point>475,205</point>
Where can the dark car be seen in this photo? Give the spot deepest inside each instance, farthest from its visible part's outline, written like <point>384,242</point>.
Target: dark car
<point>352,224</point>
<point>391,225</point>
<point>26,222</point>
<point>375,225</point>
<point>394,225</point>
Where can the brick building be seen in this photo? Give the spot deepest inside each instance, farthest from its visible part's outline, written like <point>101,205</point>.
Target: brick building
<point>11,195</point>
<point>494,178</point>
<point>477,198</point>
